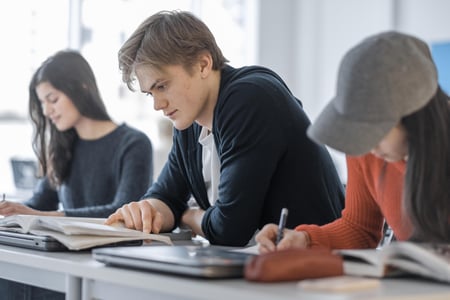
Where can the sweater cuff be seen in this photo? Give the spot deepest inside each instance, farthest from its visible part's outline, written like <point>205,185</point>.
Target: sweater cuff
<point>317,236</point>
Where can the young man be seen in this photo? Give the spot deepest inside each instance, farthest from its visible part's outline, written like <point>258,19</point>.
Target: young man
<point>240,146</point>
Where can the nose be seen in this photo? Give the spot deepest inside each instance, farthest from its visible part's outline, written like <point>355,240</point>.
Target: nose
<point>46,108</point>
<point>159,103</point>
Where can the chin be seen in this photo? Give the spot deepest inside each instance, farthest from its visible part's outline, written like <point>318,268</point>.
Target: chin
<point>62,128</point>
<point>181,126</point>
<point>393,159</point>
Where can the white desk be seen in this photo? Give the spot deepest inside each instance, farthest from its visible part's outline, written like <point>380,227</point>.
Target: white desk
<point>55,271</point>
<point>84,278</point>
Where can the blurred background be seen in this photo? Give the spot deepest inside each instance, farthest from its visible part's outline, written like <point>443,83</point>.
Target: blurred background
<point>302,40</point>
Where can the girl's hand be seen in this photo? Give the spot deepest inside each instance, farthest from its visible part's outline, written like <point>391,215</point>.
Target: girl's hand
<point>291,239</point>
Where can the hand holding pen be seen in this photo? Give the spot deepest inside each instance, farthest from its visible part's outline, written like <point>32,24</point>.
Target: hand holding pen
<point>273,237</point>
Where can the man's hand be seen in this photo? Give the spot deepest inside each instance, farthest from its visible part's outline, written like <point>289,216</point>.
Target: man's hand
<point>141,215</point>
<point>192,218</point>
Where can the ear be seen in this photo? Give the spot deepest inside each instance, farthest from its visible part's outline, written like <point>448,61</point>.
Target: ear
<point>206,64</point>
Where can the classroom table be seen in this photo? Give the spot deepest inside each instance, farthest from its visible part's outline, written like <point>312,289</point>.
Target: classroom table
<point>81,277</point>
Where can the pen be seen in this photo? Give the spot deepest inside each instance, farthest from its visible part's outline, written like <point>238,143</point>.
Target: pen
<point>281,225</point>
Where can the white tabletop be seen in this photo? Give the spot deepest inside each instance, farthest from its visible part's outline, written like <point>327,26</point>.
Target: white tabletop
<point>72,270</point>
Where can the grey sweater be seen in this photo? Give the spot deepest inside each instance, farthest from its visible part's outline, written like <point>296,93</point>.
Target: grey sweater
<point>105,174</point>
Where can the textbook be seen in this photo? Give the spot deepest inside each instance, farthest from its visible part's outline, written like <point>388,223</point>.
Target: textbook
<point>399,258</point>
<point>76,233</point>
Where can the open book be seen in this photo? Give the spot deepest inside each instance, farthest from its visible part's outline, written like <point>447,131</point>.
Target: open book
<point>398,258</point>
<point>76,233</point>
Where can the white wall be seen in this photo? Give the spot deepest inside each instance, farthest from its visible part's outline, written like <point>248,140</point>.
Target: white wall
<point>428,19</point>
<point>304,40</point>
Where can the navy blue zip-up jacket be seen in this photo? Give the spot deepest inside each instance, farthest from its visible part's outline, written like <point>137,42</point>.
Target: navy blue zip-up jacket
<point>267,162</point>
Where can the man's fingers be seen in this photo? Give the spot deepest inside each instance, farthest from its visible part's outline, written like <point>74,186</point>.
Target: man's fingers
<point>135,212</point>
<point>138,215</point>
<point>113,218</point>
<point>157,222</point>
<point>126,216</point>
<point>148,214</point>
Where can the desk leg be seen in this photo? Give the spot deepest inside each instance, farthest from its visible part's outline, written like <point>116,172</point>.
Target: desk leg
<point>86,289</point>
<point>73,288</point>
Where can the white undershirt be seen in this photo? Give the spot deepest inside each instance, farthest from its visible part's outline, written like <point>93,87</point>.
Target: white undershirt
<point>211,164</point>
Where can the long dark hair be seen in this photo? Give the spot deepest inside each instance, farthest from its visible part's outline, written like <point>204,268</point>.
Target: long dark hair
<point>427,180</point>
<point>68,72</point>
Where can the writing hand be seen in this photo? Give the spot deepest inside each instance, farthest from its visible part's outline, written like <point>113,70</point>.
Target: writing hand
<point>8,208</point>
<point>266,239</point>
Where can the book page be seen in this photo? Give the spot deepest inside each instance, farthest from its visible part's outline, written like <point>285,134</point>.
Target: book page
<point>363,262</point>
<point>77,233</point>
<point>429,260</point>
<point>24,222</point>
<point>250,250</point>
<point>399,258</point>
<point>80,242</point>
<point>80,226</point>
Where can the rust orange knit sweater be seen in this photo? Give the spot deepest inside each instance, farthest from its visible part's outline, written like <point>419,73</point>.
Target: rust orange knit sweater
<point>374,193</point>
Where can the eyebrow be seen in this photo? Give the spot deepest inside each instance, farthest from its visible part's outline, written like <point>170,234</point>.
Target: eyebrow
<point>46,96</point>
<point>152,86</point>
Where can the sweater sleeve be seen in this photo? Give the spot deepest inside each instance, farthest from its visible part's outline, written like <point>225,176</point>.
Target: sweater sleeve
<point>171,186</point>
<point>44,196</point>
<point>134,174</point>
<point>361,222</point>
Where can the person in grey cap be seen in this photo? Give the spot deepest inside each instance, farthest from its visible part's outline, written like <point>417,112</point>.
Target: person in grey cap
<point>391,118</point>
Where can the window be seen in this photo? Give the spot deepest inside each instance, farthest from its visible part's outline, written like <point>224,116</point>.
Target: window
<point>97,28</point>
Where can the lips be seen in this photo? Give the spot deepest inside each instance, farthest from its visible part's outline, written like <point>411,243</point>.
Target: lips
<point>170,114</point>
<point>54,119</point>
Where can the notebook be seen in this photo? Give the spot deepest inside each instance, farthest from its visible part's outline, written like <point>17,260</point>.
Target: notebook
<point>192,261</point>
